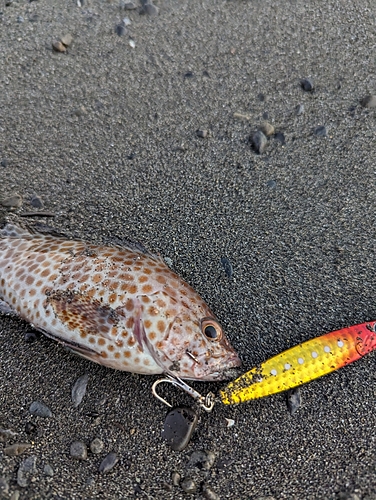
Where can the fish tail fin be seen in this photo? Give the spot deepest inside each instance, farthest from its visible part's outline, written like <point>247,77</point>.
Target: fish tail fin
<point>13,231</point>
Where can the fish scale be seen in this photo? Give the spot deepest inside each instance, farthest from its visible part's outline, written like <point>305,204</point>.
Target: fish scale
<point>118,306</point>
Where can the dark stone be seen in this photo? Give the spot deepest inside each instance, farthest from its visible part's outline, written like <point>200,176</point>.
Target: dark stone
<point>227,266</point>
<point>178,428</point>
<point>321,131</point>
<point>258,142</point>
<point>293,399</point>
<point>280,137</point>
<point>307,84</point>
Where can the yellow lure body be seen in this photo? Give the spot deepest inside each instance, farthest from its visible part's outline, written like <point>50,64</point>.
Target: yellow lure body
<point>302,363</point>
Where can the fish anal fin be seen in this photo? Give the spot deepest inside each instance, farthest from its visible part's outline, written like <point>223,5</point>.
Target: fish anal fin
<point>74,347</point>
<point>5,308</point>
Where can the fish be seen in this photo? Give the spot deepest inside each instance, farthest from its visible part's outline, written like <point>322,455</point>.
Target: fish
<point>301,364</point>
<point>119,306</point>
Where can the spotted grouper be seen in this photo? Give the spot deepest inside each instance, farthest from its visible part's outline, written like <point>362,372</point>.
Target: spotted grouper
<point>121,307</point>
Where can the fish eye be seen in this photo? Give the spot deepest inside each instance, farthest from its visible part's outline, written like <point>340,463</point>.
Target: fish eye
<point>211,329</point>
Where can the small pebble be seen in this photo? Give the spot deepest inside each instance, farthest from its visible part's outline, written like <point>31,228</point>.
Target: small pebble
<point>30,337</point>
<point>120,29</point>
<point>267,129</point>
<point>20,19</point>
<point>13,201</point>
<point>241,116</point>
<point>40,410</point>
<point>81,111</point>
<point>202,133</point>
<point>294,400</point>
<point>175,478</point>
<point>4,487</point>
<point>58,46</point>
<point>150,9</point>
<point>96,446</point>
<point>67,39</point>
<point>90,482</point>
<point>178,427</point>
<point>26,470</point>
<point>321,131</point>
<point>132,43</point>
<point>202,460</point>
<point>36,201</point>
<point>79,389</point>
<point>188,74</point>
<point>4,162</point>
<point>227,266</point>
<point>299,109</point>
<point>271,184</point>
<point>230,422</point>
<point>48,470</point>
<point>280,137</point>
<point>258,142</point>
<point>16,449</point>
<point>262,97</point>
<point>31,428</point>
<point>209,494</point>
<point>6,434</point>
<point>78,450</point>
<point>369,101</point>
<point>127,5</point>
<point>15,495</point>
<point>188,485</point>
<point>108,462</point>
<point>307,84</point>
<point>126,21</point>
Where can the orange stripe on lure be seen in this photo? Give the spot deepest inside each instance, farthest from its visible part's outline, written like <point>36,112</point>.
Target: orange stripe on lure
<point>303,363</point>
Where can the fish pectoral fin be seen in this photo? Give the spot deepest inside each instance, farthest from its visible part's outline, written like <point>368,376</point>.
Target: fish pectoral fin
<point>81,313</point>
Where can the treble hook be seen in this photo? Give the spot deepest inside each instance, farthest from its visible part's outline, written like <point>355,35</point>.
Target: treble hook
<point>205,402</point>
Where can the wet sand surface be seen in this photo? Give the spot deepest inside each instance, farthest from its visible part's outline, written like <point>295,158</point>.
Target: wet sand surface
<point>105,134</point>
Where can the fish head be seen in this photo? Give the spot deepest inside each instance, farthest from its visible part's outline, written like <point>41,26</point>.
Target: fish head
<point>193,346</point>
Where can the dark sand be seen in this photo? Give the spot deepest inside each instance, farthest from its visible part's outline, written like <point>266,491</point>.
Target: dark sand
<point>106,135</point>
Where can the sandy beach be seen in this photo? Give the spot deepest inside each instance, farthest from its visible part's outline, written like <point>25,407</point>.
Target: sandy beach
<point>140,127</point>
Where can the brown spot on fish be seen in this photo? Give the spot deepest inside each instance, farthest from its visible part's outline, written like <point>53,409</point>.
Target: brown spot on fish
<point>152,335</point>
<point>130,323</point>
<point>147,270</point>
<point>101,341</point>
<point>161,326</point>
<point>131,341</point>
<point>129,305</point>
<point>116,355</point>
<point>161,303</point>
<point>153,311</point>
<point>143,279</point>
<point>147,323</point>
<point>145,299</point>
<point>127,354</point>
<point>97,278</point>
<point>112,298</point>
<point>161,279</point>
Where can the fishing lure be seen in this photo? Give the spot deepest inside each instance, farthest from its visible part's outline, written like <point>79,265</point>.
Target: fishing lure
<point>302,363</point>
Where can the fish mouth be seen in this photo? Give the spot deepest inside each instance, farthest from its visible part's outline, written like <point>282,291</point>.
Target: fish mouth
<point>225,374</point>
<point>225,371</point>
